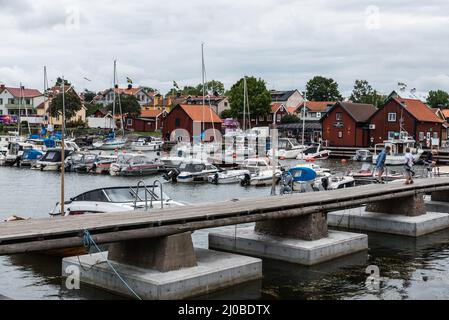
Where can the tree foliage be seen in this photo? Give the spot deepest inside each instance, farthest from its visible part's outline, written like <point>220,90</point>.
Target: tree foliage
<point>129,105</point>
<point>364,93</point>
<point>290,118</point>
<point>59,82</point>
<point>72,104</point>
<point>89,95</point>
<point>258,95</point>
<point>322,89</point>
<point>438,99</point>
<point>212,87</point>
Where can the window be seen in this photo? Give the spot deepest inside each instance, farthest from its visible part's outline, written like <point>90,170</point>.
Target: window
<point>318,114</point>
<point>421,136</point>
<point>391,135</point>
<point>278,117</point>
<point>1,112</point>
<point>129,122</point>
<point>340,134</point>
<point>270,117</point>
<point>261,118</point>
<point>391,117</point>
<point>435,135</point>
<point>338,116</point>
<point>1,101</point>
<point>177,122</point>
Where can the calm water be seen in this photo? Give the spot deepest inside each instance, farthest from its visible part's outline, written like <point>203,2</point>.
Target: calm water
<point>411,269</point>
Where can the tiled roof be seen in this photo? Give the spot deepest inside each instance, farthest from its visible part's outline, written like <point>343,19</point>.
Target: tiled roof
<point>360,112</point>
<point>25,93</point>
<point>153,113</point>
<point>319,106</point>
<point>418,110</point>
<point>281,95</point>
<point>131,91</point>
<point>445,112</point>
<point>197,112</point>
<point>276,106</point>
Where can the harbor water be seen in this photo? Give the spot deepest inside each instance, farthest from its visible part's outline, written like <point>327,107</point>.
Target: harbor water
<point>408,268</point>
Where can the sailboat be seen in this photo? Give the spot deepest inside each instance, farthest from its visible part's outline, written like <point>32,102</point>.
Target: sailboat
<point>112,142</point>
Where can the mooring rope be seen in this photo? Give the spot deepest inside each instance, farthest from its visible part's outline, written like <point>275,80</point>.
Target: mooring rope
<point>88,242</point>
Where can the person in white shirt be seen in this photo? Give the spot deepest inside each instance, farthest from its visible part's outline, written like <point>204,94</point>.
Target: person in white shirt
<point>409,162</point>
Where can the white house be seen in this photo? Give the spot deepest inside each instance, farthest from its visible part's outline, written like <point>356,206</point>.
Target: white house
<point>107,96</point>
<point>14,99</point>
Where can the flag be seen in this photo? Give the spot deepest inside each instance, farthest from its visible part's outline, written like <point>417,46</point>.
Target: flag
<point>175,84</point>
<point>129,80</point>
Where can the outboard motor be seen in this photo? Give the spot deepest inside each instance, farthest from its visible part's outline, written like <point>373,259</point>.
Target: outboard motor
<point>325,183</point>
<point>171,175</point>
<point>246,181</point>
<point>215,179</point>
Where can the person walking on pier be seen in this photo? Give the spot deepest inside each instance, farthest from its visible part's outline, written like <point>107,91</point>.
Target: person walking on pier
<point>430,163</point>
<point>409,162</point>
<point>380,163</point>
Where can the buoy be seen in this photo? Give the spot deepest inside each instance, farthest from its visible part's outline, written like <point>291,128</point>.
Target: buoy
<point>344,161</point>
<point>281,158</point>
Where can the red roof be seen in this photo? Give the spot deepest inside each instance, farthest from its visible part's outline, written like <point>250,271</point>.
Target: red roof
<point>153,113</point>
<point>445,112</point>
<point>419,110</point>
<point>275,106</point>
<point>319,106</point>
<point>200,113</point>
<point>25,93</point>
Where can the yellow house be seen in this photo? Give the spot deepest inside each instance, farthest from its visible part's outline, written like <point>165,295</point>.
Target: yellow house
<point>43,109</point>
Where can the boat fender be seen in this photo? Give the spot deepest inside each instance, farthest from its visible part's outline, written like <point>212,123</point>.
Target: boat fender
<point>215,180</point>
<point>325,183</point>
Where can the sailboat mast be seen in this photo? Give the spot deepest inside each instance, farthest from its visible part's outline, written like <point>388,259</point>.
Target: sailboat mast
<point>114,95</point>
<point>63,147</point>
<point>204,88</point>
<point>244,104</point>
<point>304,117</point>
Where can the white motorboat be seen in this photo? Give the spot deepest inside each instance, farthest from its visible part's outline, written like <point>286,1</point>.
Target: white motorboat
<point>192,171</point>
<point>51,161</point>
<point>134,165</point>
<point>110,144</point>
<point>261,172</point>
<point>287,149</point>
<point>144,144</point>
<point>228,176</point>
<point>118,199</point>
<point>340,182</point>
<point>398,147</point>
<point>314,152</point>
<point>14,153</point>
<point>363,155</point>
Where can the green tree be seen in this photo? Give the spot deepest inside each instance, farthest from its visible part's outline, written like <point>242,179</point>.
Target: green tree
<point>212,86</point>
<point>59,82</point>
<point>227,113</point>
<point>91,108</point>
<point>290,118</point>
<point>148,89</point>
<point>89,95</point>
<point>72,104</point>
<point>173,92</point>
<point>129,105</point>
<point>438,99</point>
<point>322,89</point>
<point>364,93</point>
<point>192,91</point>
<point>258,95</point>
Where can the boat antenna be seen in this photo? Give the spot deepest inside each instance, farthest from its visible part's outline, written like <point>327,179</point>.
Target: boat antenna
<point>114,98</point>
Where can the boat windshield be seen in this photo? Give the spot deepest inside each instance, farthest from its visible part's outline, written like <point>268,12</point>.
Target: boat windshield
<point>192,167</point>
<point>54,156</point>
<point>127,194</point>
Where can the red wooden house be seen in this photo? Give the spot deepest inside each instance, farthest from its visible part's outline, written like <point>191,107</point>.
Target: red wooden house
<point>347,124</point>
<point>148,121</point>
<point>183,116</point>
<point>410,115</point>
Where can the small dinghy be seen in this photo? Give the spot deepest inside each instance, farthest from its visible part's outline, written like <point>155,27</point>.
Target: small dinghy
<point>228,176</point>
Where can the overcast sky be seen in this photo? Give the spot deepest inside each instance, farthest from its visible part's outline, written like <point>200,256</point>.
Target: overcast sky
<point>285,42</point>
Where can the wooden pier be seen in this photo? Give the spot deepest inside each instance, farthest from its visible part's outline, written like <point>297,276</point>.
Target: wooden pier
<point>58,233</point>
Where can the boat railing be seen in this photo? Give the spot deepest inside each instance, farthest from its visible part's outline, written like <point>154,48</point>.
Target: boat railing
<point>148,191</point>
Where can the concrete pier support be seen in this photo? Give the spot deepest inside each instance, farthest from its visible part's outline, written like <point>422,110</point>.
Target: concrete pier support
<point>164,268</point>
<point>302,240</point>
<point>407,216</point>
<point>412,206</point>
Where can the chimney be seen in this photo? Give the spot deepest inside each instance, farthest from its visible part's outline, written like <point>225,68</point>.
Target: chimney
<point>2,86</point>
<point>116,86</point>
